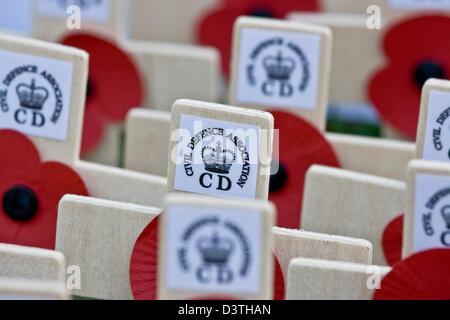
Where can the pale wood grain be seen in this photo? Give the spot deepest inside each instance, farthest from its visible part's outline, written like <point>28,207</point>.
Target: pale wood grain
<point>22,289</point>
<point>311,279</point>
<point>346,203</point>
<point>99,236</point>
<point>291,243</point>
<point>31,263</point>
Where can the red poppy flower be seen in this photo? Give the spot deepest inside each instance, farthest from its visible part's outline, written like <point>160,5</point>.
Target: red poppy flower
<point>114,87</point>
<point>31,191</point>
<point>423,276</point>
<point>301,145</point>
<point>417,49</point>
<point>216,27</point>
<point>392,241</point>
<point>144,268</point>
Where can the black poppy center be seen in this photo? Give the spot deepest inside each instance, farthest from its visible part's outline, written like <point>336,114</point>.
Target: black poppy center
<point>20,203</point>
<point>89,88</point>
<point>279,178</point>
<point>261,12</point>
<point>427,70</point>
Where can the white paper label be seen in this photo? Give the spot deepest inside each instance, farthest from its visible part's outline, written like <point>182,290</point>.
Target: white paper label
<point>35,94</point>
<point>437,131</point>
<point>12,297</point>
<point>10,10</point>
<point>420,4</point>
<point>213,250</point>
<point>92,10</point>
<point>278,68</point>
<point>217,158</point>
<point>431,212</point>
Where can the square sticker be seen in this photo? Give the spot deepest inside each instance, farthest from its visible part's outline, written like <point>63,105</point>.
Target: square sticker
<point>420,4</point>
<point>278,68</point>
<point>35,94</point>
<point>431,212</point>
<point>213,250</point>
<point>92,10</point>
<point>437,131</point>
<point>216,157</point>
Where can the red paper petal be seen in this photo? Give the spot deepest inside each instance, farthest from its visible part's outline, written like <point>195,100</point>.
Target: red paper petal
<point>392,241</point>
<point>144,263</point>
<point>93,127</point>
<point>423,276</point>
<point>397,98</point>
<point>418,38</point>
<point>144,268</point>
<point>300,146</point>
<point>20,165</point>
<point>216,27</point>
<point>393,89</point>
<point>116,83</point>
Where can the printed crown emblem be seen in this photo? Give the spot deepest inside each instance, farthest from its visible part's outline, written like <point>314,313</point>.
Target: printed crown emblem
<point>215,250</point>
<point>445,211</point>
<point>279,68</point>
<point>217,159</point>
<point>30,96</point>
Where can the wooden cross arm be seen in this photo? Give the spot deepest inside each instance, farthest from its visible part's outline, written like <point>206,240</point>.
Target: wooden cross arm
<point>122,185</point>
<point>291,243</point>
<point>382,157</point>
<point>31,263</point>
<point>24,289</point>
<point>313,279</point>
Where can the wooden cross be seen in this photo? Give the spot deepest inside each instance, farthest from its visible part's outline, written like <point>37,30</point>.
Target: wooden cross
<point>270,69</point>
<point>99,236</point>
<point>427,218</point>
<point>19,289</point>
<point>343,202</point>
<point>314,279</point>
<point>226,249</point>
<point>219,150</point>
<point>20,262</point>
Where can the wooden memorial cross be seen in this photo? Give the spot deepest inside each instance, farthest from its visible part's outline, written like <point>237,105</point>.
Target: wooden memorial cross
<point>347,203</point>
<point>42,92</point>
<point>19,289</point>
<point>314,279</point>
<point>270,69</point>
<point>98,236</point>
<point>292,243</point>
<point>427,214</point>
<point>220,150</point>
<point>215,248</point>
<point>54,18</point>
<point>19,262</point>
